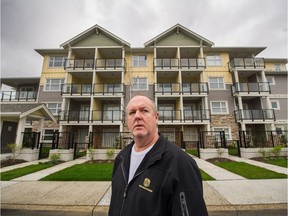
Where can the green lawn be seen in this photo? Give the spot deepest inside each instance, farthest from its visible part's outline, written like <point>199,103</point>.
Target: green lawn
<point>7,176</point>
<point>205,176</point>
<point>249,171</point>
<point>83,172</point>
<point>277,161</point>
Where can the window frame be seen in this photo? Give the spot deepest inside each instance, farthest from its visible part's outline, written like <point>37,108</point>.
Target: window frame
<point>50,135</point>
<point>227,134</point>
<point>218,83</point>
<point>138,62</point>
<point>220,107</point>
<point>53,60</point>
<point>137,84</point>
<point>57,108</point>
<point>272,81</point>
<point>277,104</point>
<point>47,86</point>
<point>213,60</point>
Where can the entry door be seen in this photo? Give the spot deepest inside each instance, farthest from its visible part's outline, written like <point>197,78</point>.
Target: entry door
<point>8,134</point>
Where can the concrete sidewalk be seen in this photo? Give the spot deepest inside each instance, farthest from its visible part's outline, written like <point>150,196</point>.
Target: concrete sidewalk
<point>229,194</point>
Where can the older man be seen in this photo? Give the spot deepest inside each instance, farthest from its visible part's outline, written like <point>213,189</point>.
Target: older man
<point>153,176</point>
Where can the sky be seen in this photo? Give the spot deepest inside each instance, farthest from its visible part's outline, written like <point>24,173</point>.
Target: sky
<point>40,24</point>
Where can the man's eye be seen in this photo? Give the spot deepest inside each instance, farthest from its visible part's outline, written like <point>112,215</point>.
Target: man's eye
<point>144,111</point>
<point>131,113</point>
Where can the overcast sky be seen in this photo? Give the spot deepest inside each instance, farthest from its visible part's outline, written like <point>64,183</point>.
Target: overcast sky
<point>39,24</point>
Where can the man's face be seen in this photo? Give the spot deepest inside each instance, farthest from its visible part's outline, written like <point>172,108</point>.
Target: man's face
<point>142,118</point>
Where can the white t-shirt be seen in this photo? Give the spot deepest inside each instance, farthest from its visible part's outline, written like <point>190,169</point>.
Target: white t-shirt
<point>135,160</point>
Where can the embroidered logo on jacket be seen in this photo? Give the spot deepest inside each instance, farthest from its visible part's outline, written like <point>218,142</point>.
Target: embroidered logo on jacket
<point>146,184</point>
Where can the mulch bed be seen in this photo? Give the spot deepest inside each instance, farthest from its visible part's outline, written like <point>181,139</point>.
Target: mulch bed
<point>218,159</point>
<point>11,162</point>
<point>262,159</point>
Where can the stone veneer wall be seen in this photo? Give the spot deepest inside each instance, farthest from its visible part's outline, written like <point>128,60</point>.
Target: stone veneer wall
<point>47,124</point>
<point>226,121</point>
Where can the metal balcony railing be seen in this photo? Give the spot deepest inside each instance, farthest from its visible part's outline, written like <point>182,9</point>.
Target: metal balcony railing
<point>76,89</point>
<point>107,116</point>
<point>167,88</point>
<point>192,63</point>
<point>247,63</point>
<point>108,89</point>
<point>79,64</point>
<point>260,87</point>
<point>166,63</point>
<point>188,115</point>
<point>192,88</point>
<point>73,116</point>
<point>19,95</point>
<point>110,63</point>
<point>261,114</point>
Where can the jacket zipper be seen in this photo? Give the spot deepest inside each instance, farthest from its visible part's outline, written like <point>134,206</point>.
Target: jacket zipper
<point>126,187</point>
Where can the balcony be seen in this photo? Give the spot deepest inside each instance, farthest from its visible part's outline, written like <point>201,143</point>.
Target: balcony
<point>177,88</point>
<point>109,89</point>
<point>166,63</point>
<point>259,115</point>
<point>76,89</point>
<point>188,115</point>
<point>246,63</point>
<point>192,63</point>
<point>107,116</point>
<point>261,88</point>
<point>19,96</point>
<point>90,64</point>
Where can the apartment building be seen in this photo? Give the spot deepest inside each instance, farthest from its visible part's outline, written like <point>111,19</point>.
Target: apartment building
<point>198,88</point>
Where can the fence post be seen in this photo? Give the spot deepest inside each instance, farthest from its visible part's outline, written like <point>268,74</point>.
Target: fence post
<point>272,139</point>
<point>238,147</point>
<point>40,150</point>
<point>198,148</point>
<point>75,150</point>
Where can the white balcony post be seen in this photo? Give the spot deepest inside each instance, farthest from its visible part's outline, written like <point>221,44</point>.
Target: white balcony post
<point>20,129</point>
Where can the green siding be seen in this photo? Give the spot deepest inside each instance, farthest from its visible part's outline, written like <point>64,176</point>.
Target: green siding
<point>179,39</point>
<point>97,40</point>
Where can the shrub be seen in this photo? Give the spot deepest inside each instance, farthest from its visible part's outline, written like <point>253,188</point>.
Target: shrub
<point>54,158</point>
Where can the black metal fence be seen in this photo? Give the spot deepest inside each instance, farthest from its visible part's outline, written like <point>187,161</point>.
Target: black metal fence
<point>30,139</point>
<point>106,140</point>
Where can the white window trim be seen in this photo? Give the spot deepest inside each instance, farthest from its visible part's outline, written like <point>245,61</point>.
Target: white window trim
<point>277,102</point>
<point>137,89</point>
<point>222,113</point>
<point>229,131</point>
<point>60,84</point>
<point>218,82</point>
<point>53,61</point>
<point>214,65</point>
<point>51,102</point>
<point>43,134</point>
<point>138,61</point>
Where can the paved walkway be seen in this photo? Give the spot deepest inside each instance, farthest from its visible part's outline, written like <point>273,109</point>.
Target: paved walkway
<point>229,194</point>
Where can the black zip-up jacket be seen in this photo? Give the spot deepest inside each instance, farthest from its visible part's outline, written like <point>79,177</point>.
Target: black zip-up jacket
<point>167,182</point>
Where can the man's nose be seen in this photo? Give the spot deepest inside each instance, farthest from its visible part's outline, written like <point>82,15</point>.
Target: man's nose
<point>138,115</point>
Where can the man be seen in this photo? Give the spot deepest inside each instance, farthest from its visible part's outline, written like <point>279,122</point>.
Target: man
<point>153,176</point>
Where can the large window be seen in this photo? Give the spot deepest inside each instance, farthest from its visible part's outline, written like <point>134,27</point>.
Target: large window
<point>47,134</point>
<point>56,61</point>
<point>139,84</point>
<point>216,83</point>
<point>213,60</point>
<point>53,84</point>
<point>226,131</point>
<point>219,107</point>
<point>139,61</point>
<point>54,107</point>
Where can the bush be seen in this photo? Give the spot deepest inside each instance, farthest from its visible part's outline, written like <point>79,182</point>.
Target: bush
<point>54,158</point>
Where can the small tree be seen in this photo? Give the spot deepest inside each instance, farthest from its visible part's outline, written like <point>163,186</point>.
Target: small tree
<point>14,148</point>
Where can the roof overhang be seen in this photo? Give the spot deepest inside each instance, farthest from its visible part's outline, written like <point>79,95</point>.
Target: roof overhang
<point>16,81</point>
<point>236,52</point>
<point>43,52</point>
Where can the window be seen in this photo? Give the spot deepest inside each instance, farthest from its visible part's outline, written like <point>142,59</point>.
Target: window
<point>226,132</point>
<point>275,104</point>
<point>139,84</point>
<point>219,107</point>
<point>112,112</point>
<point>277,67</point>
<point>280,129</point>
<point>166,111</point>
<point>213,60</point>
<point>139,61</point>
<point>54,107</point>
<point>53,84</point>
<point>47,134</point>
<point>216,83</point>
<point>56,61</point>
<point>271,80</point>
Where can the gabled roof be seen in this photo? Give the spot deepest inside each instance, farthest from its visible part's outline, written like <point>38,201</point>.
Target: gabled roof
<point>22,110</point>
<point>94,29</point>
<point>179,28</point>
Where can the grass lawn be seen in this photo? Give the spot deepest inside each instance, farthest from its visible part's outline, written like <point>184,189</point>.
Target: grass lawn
<point>249,171</point>
<point>7,176</point>
<point>83,172</point>
<point>277,161</point>
<point>205,176</point>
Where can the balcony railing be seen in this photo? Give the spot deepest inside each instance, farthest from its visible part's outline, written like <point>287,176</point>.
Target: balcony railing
<point>194,88</point>
<point>247,63</point>
<point>188,115</point>
<point>76,89</point>
<point>73,116</point>
<point>79,64</point>
<point>90,64</point>
<point>260,87</point>
<point>18,95</point>
<point>192,63</point>
<point>166,63</point>
<point>109,89</point>
<point>107,116</point>
<point>255,115</point>
<point>167,88</point>
<point>110,63</point>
